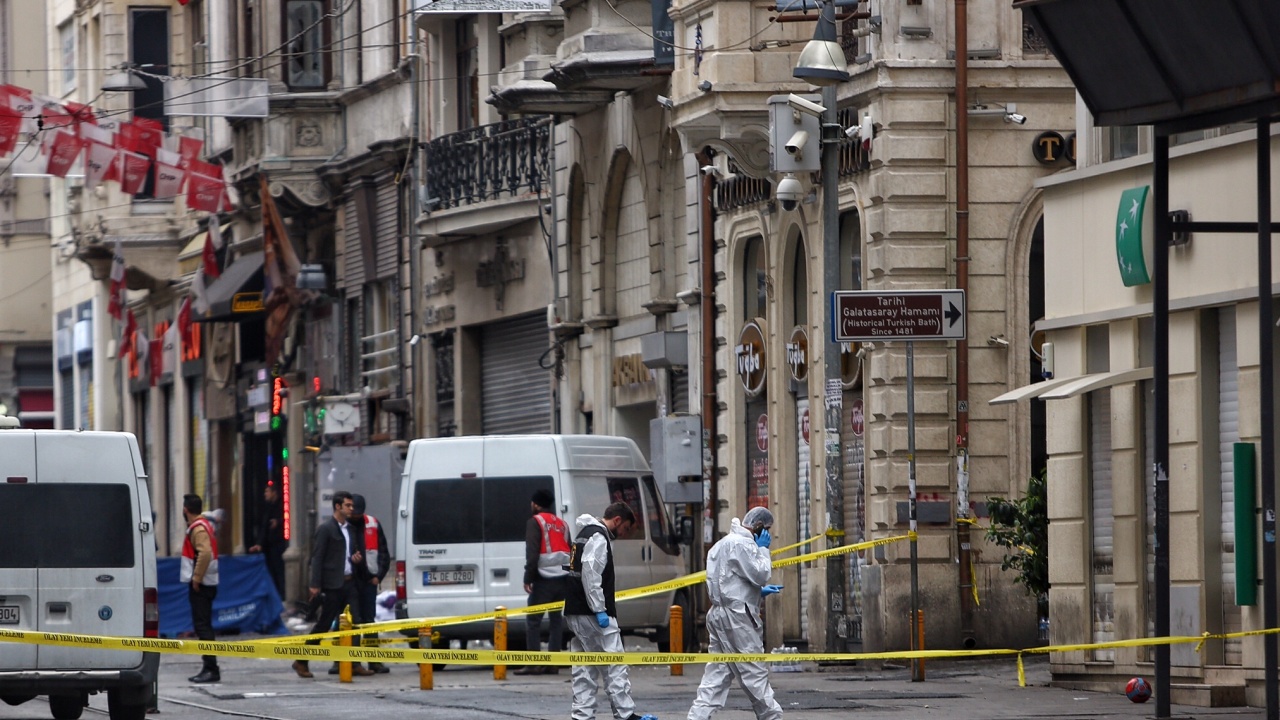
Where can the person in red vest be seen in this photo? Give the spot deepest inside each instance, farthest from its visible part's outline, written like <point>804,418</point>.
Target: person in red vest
<point>369,574</point>
<point>546,553</point>
<point>200,573</point>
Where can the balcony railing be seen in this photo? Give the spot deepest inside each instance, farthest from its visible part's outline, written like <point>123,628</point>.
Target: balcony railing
<point>483,163</point>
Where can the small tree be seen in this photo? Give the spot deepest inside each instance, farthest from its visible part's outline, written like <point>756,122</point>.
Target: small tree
<point>1022,526</point>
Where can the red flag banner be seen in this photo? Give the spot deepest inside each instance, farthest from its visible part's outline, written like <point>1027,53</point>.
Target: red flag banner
<point>63,151</point>
<point>203,192</point>
<point>150,133</point>
<point>168,180</point>
<point>82,113</point>
<point>189,149</point>
<point>129,137</point>
<point>212,244</point>
<point>10,128</point>
<point>203,168</point>
<point>133,171</point>
<point>115,305</point>
<point>184,321</point>
<point>98,160</point>
<point>126,336</point>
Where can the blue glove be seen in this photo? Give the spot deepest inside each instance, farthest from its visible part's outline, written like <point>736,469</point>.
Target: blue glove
<point>770,590</point>
<point>602,619</point>
<point>764,538</point>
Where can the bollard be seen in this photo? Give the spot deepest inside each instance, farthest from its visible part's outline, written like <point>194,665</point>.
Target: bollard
<point>917,664</point>
<point>500,640</point>
<point>675,637</point>
<point>426,678</point>
<point>344,623</point>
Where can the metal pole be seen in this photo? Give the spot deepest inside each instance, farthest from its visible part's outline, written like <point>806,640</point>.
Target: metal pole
<point>831,366</point>
<point>1160,473</point>
<point>1266,360</point>
<point>917,665</point>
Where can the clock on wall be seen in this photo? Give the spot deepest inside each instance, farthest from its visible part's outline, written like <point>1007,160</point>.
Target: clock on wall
<point>341,417</point>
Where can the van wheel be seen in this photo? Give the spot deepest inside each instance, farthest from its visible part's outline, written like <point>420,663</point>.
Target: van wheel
<point>119,709</point>
<point>66,707</point>
<point>690,633</point>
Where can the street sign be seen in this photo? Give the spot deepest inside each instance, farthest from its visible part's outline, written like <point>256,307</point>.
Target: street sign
<point>866,316</point>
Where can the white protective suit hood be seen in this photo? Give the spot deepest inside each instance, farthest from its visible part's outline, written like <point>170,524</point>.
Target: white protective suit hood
<point>736,570</point>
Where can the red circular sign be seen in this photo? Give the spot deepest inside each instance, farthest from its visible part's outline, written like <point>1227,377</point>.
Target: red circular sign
<point>762,433</point>
<point>804,425</point>
<point>856,418</point>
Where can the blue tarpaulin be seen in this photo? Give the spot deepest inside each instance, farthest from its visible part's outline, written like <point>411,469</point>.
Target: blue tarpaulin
<point>247,600</point>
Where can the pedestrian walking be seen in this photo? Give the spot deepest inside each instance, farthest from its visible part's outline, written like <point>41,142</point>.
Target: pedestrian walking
<point>336,549</point>
<point>269,536</point>
<point>738,571</point>
<point>546,555</point>
<point>592,614</point>
<point>369,574</point>
<point>199,571</point>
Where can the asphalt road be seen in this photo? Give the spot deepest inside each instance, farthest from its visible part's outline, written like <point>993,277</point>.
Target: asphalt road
<point>971,690</point>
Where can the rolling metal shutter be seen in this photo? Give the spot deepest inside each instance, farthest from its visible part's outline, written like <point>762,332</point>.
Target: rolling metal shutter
<point>352,256</point>
<point>804,496</point>
<point>1103,557</point>
<point>1228,435</point>
<point>853,457</point>
<point>388,227</point>
<point>515,391</point>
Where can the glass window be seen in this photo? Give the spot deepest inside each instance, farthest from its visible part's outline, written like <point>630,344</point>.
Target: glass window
<point>755,280</point>
<point>467,58</point>
<point>850,250</point>
<point>656,517</point>
<point>67,525</point>
<point>1124,141</point>
<point>473,510</point>
<point>67,40</point>
<point>304,37</point>
<point>594,496</point>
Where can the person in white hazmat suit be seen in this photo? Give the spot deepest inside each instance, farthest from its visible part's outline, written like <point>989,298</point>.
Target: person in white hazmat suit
<point>591,613</point>
<point>738,571</point>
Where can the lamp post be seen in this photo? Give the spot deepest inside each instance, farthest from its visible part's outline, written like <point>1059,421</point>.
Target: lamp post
<point>822,63</point>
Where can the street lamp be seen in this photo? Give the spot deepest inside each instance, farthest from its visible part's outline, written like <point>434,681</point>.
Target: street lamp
<point>822,63</point>
<point>124,79</point>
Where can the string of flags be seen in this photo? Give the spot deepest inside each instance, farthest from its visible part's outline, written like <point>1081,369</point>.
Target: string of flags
<point>44,136</point>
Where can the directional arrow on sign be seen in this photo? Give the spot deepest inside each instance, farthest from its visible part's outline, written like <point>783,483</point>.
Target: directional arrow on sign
<point>953,314</point>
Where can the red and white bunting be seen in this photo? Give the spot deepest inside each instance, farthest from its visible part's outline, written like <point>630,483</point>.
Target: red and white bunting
<point>203,192</point>
<point>63,151</point>
<point>133,171</point>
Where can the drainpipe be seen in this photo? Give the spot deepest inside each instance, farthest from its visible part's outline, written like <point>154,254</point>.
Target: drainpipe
<point>962,347</point>
<point>706,304</point>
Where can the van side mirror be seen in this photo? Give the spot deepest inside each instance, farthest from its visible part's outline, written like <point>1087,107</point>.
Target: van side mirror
<point>686,531</point>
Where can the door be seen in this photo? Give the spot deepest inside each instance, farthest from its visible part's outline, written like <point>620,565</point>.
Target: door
<point>89,544</point>
<point>663,554</point>
<point>18,598</point>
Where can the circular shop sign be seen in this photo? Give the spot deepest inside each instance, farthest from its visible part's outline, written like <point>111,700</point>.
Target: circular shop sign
<point>856,418</point>
<point>804,425</point>
<point>762,433</point>
<point>798,354</point>
<point>749,357</point>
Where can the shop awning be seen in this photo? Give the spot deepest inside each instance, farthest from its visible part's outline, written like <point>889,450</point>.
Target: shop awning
<point>1072,385</point>
<point>1089,383</point>
<point>1032,390</point>
<point>237,294</point>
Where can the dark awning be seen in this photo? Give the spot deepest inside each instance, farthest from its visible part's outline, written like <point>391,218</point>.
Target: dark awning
<point>237,294</point>
<point>1187,64</point>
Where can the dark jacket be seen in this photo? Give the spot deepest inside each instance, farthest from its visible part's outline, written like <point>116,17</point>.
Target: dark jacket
<point>270,531</point>
<point>328,550</point>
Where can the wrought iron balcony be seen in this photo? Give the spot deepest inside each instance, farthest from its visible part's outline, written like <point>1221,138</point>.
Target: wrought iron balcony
<point>484,163</point>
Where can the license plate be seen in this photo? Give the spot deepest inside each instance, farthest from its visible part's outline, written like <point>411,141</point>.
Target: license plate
<point>9,615</point>
<point>449,577</point>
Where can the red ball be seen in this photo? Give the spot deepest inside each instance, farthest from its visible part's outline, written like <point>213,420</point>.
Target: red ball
<point>1138,690</point>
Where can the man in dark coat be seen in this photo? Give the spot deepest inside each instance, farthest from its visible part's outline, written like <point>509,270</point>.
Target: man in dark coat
<point>269,538</point>
<point>336,550</point>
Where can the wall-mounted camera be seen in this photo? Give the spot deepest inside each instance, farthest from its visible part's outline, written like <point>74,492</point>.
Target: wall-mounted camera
<point>789,192</point>
<point>795,146</point>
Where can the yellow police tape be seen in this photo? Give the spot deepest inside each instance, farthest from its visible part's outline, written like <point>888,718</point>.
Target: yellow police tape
<point>342,653</point>
<point>622,595</point>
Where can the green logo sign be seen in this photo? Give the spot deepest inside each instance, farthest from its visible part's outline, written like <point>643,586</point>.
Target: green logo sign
<point>1129,232</point>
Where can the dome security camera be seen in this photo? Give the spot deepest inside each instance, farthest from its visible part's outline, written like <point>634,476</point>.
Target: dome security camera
<point>789,192</point>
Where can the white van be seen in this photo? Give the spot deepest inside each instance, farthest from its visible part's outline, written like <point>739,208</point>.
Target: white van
<point>79,556</point>
<point>464,502</point>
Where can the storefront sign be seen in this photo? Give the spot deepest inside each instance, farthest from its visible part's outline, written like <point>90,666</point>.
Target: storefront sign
<point>432,315</point>
<point>798,354</point>
<point>438,285</point>
<point>749,356</point>
<point>247,302</point>
<point>629,370</point>
<point>1049,147</point>
<point>857,418</point>
<point>1133,236</point>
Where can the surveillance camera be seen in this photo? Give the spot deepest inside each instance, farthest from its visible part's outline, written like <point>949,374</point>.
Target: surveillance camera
<point>807,107</point>
<point>795,146</point>
<point>789,192</point>
<point>665,102</point>
<point>1014,117</point>
<point>852,132</point>
<point>415,340</point>
<point>998,340</point>
<point>705,86</point>
<point>713,171</point>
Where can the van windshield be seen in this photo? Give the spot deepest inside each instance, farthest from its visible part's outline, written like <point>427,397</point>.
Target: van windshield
<point>473,510</point>
<point>67,525</point>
